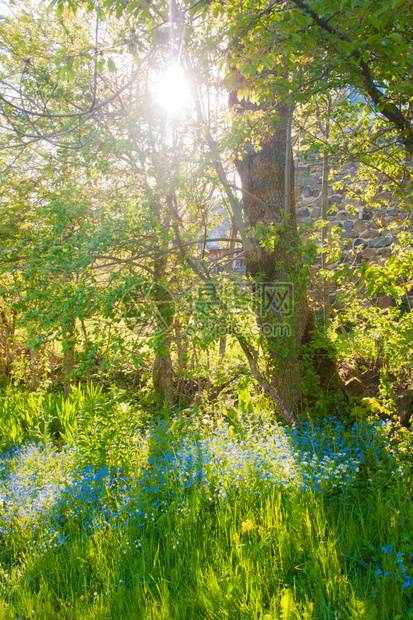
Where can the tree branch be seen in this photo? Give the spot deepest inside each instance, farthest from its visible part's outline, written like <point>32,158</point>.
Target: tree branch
<point>388,109</point>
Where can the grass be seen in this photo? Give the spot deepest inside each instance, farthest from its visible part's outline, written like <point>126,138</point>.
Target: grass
<point>233,517</point>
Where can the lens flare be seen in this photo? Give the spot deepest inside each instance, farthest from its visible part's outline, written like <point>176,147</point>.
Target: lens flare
<point>172,91</point>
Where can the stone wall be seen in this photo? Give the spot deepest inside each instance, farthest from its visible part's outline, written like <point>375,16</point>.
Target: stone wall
<point>363,232</point>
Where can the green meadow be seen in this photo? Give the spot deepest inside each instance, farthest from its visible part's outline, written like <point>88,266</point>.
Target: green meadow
<point>226,514</point>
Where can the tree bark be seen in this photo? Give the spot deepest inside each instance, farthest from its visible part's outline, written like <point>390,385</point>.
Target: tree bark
<point>163,373</point>
<point>283,315</point>
<point>69,347</point>
<point>7,341</point>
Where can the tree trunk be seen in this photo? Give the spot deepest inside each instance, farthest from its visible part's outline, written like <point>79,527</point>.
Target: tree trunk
<point>69,347</point>
<point>34,373</point>
<point>285,321</point>
<point>324,237</point>
<point>7,342</point>
<point>162,374</point>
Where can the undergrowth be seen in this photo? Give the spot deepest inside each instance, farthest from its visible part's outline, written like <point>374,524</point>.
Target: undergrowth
<point>230,515</point>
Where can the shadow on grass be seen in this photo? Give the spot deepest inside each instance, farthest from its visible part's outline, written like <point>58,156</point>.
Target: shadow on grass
<point>192,535</point>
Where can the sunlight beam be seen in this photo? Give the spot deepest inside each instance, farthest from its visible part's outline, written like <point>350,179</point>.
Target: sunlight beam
<point>172,91</point>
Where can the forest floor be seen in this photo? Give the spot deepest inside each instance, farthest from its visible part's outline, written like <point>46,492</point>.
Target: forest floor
<point>225,514</point>
<point>396,388</point>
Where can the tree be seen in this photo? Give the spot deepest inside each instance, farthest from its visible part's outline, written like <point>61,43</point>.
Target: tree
<point>269,69</point>
<point>326,44</point>
<point>261,263</point>
<point>102,246</point>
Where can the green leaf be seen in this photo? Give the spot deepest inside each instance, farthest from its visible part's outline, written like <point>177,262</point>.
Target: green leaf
<point>135,55</point>
<point>287,604</point>
<point>215,9</point>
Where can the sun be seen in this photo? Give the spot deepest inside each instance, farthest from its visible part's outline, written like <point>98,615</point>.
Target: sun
<point>172,90</point>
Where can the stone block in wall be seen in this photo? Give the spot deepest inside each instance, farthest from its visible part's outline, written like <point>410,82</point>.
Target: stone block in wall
<point>315,212</point>
<point>349,234</point>
<point>363,214</point>
<point>352,203</point>
<point>359,226</point>
<point>386,301</point>
<point>302,212</point>
<point>335,199</point>
<point>313,179</point>
<point>379,242</point>
<point>383,196</point>
<point>368,234</point>
<point>369,255</point>
<point>360,244</point>
<point>342,215</point>
<point>347,225</point>
<point>306,201</point>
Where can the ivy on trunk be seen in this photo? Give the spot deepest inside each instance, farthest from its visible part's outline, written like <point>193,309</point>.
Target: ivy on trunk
<point>275,264</point>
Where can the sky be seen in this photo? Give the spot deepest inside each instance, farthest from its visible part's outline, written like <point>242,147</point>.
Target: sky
<point>4,7</point>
